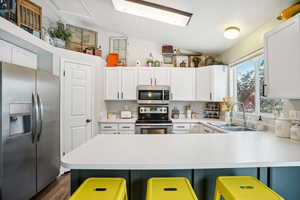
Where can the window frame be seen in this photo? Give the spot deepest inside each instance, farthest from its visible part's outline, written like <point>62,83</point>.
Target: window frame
<point>233,83</point>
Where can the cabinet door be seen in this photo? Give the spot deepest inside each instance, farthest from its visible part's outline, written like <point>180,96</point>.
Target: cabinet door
<point>161,76</point>
<point>183,84</point>
<point>219,83</point>
<point>129,83</point>
<point>112,84</point>
<point>145,76</point>
<point>24,58</point>
<point>5,49</point>
<point>203,84</point>
<point>282,60</point>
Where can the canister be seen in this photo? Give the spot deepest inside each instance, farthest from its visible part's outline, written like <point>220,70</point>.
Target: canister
<point>282,127</point>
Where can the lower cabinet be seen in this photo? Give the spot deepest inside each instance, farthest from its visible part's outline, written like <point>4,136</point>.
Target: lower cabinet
<point>116,128</point>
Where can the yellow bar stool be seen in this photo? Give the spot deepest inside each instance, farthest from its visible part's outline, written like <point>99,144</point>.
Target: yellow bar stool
<point>243,188</point>
<point>170,189</point>
<point>101,188</point>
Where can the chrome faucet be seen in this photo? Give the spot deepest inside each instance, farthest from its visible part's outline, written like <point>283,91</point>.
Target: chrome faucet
<point>244,114</point>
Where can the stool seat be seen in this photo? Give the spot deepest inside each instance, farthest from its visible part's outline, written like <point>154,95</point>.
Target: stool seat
<point>243,188</point>
<point>101,188</point>
<point>170,189</point>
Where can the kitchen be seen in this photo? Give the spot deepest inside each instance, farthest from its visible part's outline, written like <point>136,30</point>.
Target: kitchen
<point>201,99</point>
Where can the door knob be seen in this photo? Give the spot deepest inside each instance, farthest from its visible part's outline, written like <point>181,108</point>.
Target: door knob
<point>88,120</point>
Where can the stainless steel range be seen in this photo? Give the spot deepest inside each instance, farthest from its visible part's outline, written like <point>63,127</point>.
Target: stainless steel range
<point>153,116</point>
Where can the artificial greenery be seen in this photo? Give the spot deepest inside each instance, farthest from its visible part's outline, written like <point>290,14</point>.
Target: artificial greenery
<point>60,32</point>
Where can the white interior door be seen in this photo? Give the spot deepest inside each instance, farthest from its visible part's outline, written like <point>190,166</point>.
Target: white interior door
<point>77,107</point>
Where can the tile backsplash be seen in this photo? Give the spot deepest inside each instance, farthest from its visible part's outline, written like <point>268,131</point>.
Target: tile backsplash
<point>117,106</point>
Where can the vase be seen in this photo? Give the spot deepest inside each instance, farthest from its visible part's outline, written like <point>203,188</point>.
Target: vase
<point>59,43</point>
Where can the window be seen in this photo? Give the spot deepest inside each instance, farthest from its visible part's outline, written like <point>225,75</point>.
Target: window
<point>119,45</point>
<point>249,78</point>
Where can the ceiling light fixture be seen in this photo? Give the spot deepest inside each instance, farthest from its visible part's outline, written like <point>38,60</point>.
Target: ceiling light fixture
<point>153,11</point>
<point>232,32</point>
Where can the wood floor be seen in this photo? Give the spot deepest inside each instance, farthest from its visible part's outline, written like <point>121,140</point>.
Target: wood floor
<point>58,190</point>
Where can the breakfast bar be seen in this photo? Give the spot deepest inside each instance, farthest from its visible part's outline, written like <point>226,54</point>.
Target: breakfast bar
<point>198,157</point>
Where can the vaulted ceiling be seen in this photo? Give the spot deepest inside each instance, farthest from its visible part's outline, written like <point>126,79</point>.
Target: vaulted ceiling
<point>204,33</point>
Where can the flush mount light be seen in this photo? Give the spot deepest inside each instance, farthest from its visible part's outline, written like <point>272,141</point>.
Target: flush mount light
<point>153,11</point>
<point>232,32</point>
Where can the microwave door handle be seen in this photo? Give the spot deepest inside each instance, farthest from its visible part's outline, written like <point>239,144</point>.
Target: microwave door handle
<point>41,113</point>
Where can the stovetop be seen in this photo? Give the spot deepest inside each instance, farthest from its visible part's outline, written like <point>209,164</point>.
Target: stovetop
<point>153,121</point>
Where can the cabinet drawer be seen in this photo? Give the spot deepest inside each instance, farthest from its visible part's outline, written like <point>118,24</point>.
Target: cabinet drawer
<point>126,132</point>
<point>109,127</point>
<point>109,132</point>
<point>181,127</point>
<point>126,127</point>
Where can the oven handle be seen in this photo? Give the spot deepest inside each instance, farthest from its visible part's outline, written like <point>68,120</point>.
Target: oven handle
<point>154,124</point>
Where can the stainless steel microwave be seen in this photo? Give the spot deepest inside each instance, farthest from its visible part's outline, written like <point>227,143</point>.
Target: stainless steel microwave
<point>153,94</point>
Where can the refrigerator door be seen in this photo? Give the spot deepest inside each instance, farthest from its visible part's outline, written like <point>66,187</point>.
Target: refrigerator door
<point>48,130</point>
<point>19,151</point>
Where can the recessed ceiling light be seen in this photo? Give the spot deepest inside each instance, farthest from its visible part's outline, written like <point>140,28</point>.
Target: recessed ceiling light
<point>232,32</point>
<point>153,11</point>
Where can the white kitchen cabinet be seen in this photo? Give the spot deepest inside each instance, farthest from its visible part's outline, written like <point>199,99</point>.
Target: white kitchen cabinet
<point>183,84</point>
<point>120,83</point>
<point>145,76</point>
<point>203,84</point>
<point>161,76</point>
<point>112,83</point>
<point>282,63</point>
<point>23,57</point>
<point>128,83</point>
<point>6,50</point>
<point>153,76</point>
<point>117,128</point>
<point>212,83</point>
<point>16,55</point>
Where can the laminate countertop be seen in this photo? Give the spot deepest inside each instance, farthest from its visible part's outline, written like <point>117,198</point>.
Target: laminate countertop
<point>191,151</point>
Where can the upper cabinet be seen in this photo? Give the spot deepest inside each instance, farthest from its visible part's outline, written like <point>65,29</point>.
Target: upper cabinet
<point>282,65</point>
<point>120,83</point>
<point>187,84</point>
<point>153,76</point>
<point>16,55</point>
<point>183,84</point>
<point>212,83</point>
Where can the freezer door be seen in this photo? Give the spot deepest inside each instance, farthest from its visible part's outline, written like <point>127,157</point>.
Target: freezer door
<point>48,140</point>
<point>19,151</point>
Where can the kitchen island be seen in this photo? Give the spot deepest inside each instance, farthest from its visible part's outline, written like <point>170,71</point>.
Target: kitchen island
<point>198,157</point>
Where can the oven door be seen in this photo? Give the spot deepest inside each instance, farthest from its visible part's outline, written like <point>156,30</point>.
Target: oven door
<point>154,128</point>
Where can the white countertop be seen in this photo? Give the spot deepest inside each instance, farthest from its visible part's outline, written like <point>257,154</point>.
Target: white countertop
<point>192,151</point>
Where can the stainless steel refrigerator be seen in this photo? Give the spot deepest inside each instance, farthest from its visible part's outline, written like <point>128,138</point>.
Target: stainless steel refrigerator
<point>30,148</point>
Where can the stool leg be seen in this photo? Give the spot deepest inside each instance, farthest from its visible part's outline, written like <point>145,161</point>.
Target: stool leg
<point>217,195</point>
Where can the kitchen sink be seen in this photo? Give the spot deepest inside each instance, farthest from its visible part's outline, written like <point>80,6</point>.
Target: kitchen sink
<point>230,127</point>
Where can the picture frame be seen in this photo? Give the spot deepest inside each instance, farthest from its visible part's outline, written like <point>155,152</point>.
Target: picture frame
<point>168,59</point>
<point>181,61</point>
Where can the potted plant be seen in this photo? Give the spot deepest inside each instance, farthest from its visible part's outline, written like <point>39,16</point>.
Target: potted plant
<point>60,36</point>
<point>196,61</point>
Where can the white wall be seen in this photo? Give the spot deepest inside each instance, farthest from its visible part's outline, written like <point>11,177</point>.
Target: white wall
<point>249,44</point>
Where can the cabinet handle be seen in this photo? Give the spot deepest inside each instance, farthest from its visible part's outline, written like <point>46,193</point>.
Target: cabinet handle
<point>107,127</point>
<point>264,90</point>
<point>118,95</point>
<point>151,81</point>
<point>210,96</point>
<point>125,127</point>
<point>180,126</point>
<point>122,95</point>
<point>155,81</point>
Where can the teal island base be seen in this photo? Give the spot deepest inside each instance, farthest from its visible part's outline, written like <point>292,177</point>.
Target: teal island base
<point>283,180</point>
